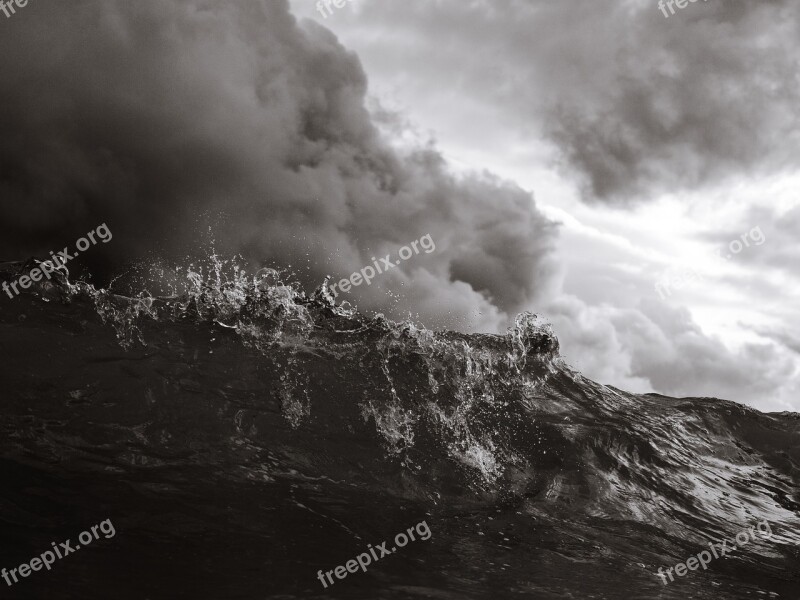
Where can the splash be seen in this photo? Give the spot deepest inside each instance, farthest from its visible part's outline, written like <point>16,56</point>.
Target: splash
<point>466,376</point>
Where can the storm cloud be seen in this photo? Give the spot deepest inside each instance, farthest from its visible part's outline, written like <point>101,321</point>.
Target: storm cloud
<point>633,104</point>
<point>162,119</point>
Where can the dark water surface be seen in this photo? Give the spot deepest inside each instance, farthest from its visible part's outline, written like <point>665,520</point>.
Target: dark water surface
<point>258,436</point>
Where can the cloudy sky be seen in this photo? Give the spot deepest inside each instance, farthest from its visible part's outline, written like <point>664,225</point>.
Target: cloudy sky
<point>564,155</point>
<point>654,142</point>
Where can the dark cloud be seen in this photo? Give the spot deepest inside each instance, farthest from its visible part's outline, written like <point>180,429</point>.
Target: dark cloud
<point>157,118</point>
<point>635,103</point>
<point>685,101</point>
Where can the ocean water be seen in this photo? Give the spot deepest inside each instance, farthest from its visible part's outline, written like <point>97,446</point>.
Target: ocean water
<point>243,436</point>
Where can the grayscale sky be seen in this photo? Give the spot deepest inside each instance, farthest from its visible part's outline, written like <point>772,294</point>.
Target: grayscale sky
<point>564,155</point>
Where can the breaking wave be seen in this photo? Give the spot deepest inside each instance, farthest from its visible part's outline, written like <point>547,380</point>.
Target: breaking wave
<point>294,409</point>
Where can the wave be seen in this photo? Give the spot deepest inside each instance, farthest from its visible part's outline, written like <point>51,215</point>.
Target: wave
<point>245,380</point>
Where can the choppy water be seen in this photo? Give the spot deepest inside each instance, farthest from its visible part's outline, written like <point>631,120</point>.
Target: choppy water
<point>242,436</point>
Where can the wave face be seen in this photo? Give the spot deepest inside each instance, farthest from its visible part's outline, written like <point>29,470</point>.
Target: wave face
<point>242,436</point>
